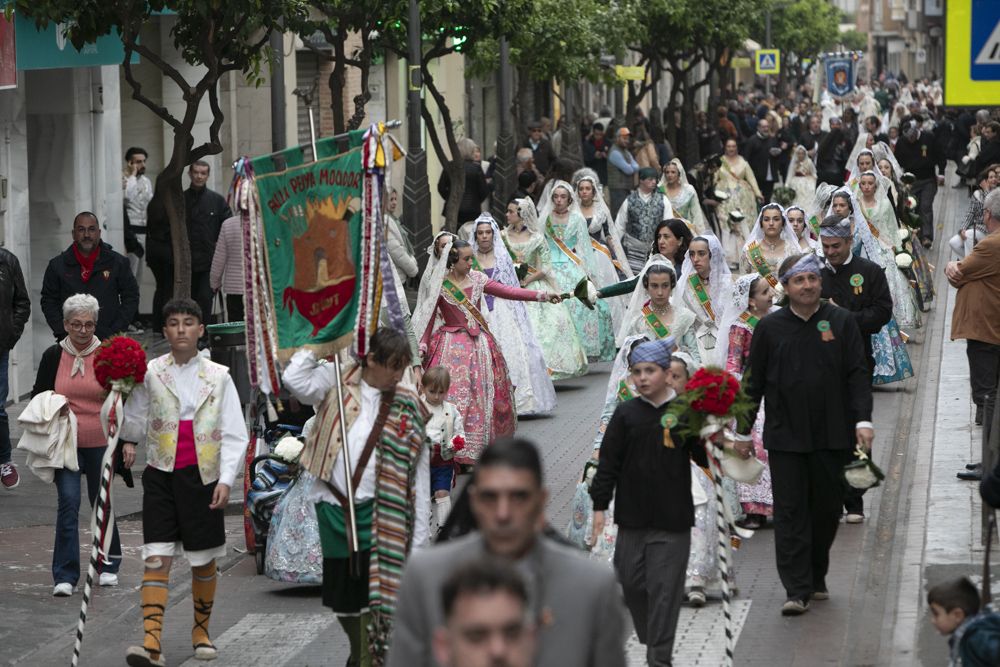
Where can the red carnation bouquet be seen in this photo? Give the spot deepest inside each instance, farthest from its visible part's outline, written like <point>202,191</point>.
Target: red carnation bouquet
<point>711,399</point>
<point>120,364</point>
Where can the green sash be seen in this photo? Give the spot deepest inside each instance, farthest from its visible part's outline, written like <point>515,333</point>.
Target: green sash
<point>699,291</point>
<point>748,319</point>
<point>814,223</point>
<point>661,329</point>
<point>459,296</point>
<point>624,393</point>
<point>756,255</point>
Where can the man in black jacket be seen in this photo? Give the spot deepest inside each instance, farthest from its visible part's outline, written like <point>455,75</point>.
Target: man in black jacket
<point>860,286</point>
<point>761,151</point>
<point>206,210</point>
<point>917,153</point>
<point>807,363</point>
<point>16,307</point>
<point>90,266</point>
<point>831,155</point>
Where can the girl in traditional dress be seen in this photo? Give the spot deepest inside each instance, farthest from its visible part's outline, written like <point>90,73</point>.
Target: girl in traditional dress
<point>874,206</point>
<point>463,344</point>
<point>600,224</point>
<point>751,300</point>
<point>892,362</point>
<point>801,177</point>
<point>796,217</point>
<point>651,313</point>
<point>736,179</point>
<point>703,289</point>
<point>671,239</point>
<point>573,258</point>
<point>612,264</point>
<point>553,325</point>
<point>862,162</point>
<point>509,323</point>
<point>771,240</point>
<point>682,195</point>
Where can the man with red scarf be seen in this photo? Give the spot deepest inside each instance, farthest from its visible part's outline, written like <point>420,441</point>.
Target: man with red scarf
<point>90,266</point>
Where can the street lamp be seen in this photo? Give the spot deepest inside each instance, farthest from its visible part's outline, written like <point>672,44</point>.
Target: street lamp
<point>416,194</point>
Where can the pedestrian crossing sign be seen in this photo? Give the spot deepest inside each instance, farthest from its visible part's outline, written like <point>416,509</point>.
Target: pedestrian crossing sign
<point>972,53</point>
<point>767,61</point>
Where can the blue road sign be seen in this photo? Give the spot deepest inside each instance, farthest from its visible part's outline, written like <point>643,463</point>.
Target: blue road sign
<point>985,40</point>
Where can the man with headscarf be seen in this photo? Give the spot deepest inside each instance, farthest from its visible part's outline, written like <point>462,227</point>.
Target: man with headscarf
<point>639,215</point>
<point>918,154</point>
<point>860,286</point>
<point>646,467</point>
<point>807,362</point>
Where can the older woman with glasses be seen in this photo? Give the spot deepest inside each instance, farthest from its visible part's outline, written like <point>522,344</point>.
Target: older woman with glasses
<point>67,368</point>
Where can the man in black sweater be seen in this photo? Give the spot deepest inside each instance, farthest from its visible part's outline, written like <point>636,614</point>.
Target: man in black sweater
<point>648,472</point>
<point>858,285</point>
<point>807,362</point>
<point>761,151</point>
<point>918,153</point>
<point>206,211</point>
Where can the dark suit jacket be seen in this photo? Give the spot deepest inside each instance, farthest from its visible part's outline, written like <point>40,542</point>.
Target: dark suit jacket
<point>757,152</point>
<point>586,610</point>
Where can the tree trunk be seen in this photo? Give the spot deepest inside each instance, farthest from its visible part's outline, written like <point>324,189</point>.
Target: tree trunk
<point>690,137</point>
<point>170,190</point>
<point>451,160</point>
<point>337,83</point>
<point>525,105</point>
<point>570,147</point>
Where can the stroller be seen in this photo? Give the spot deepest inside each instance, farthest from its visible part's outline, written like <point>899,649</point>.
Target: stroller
<point>271,478</point>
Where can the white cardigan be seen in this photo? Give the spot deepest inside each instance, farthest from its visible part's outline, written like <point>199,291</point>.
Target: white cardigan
<point>49,435</point>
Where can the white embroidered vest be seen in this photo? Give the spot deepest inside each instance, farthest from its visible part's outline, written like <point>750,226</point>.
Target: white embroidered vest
<point>164,417</point>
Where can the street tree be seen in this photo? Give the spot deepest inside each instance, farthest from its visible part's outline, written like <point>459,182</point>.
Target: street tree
<point>335,20</point>
<point>217,36</point>
<point>800,28</point>
<point>452,26</point>
<point>686,38</point>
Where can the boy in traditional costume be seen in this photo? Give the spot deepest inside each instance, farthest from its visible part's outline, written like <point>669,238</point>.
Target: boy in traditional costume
<point>188,415</point>
<point>390,482</point>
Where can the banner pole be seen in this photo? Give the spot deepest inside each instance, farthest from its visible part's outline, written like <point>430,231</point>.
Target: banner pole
<point>344,446</point>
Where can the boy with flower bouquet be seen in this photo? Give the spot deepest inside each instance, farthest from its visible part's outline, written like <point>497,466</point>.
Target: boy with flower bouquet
<point>645,465</point>
<point>188,415</point>
<point>445,435</point>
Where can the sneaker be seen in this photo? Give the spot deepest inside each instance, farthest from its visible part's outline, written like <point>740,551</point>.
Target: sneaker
<point>108,579</point>
<point>821,595</point>
<point>8,476</point>
<point>696,598</point>
<point>138,656</point>
<point>135,329</point>
<point>63,590</point>
<point>794,608</point>
<point>853,517</point>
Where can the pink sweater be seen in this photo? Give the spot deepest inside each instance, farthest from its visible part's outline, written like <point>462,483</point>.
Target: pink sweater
<point>85,398</point>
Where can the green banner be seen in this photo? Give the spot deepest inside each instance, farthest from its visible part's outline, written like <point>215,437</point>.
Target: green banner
<point>312,226</point>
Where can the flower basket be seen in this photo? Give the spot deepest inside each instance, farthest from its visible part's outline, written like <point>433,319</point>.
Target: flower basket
<point>585,292</point>
<point>783,195</point>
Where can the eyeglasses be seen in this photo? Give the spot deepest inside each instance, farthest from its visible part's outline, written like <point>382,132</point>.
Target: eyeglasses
<point>82,326</point>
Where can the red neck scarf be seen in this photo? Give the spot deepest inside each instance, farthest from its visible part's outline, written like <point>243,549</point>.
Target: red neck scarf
<point>86,263</point>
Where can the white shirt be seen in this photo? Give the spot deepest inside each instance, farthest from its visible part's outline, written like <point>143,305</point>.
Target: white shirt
<point>310,382</point>
<point>138,193</point>
<point>234,439</point>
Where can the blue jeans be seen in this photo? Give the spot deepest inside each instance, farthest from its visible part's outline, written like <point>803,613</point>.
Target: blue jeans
<point>66,555</point>
<point>4,424</point>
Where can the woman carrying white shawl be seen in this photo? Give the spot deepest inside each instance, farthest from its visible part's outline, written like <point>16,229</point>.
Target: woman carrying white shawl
<point>509,322</point>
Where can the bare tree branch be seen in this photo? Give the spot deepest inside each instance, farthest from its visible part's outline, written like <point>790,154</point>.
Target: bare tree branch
<point>138,96</point>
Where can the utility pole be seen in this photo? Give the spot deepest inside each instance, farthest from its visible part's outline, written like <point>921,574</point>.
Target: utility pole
<point>416,195</point>
<point>767,45</point>
<point>503,173</point>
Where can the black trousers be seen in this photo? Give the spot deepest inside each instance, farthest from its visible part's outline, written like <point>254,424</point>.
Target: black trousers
<point>925,191</point>
<point>159,258</point>
<point>984,369</point>
<point>766,188</point>
<point>808,490</point>
<point>201,291</point>
<point>234,308</point>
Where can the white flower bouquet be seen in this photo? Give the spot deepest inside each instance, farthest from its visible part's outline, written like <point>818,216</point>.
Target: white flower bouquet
<point>862,473</point>
<point>289,449</point>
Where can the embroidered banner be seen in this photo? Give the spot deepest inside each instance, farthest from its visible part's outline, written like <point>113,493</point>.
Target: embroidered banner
<point>312,222</point>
